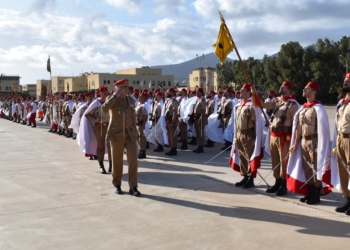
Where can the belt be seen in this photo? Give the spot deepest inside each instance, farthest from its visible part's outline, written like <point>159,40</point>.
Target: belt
<point>284,137</point>
<point>342,135</point>
<point>310,137</point>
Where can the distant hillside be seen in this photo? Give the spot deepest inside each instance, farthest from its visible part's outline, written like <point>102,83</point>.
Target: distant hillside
<point>182,70</point>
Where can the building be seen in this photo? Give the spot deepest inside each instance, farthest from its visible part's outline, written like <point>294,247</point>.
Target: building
<point>43,88</point>
<point>205,78</point>
<point>57,84</point>
<point>139,78</point>
<point>30,88</point>
<point>9,83</point>
<point>77,84</point>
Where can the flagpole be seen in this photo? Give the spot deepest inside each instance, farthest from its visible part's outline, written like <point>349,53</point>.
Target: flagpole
<point>244,68</point>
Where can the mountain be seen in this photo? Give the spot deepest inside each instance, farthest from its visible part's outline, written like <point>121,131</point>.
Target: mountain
<point>181,71</point>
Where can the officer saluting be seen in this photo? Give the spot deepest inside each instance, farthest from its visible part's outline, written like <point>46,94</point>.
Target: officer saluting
<point>122,134</point>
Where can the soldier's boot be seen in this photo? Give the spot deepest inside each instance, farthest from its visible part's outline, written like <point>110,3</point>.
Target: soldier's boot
<point>199,150</point>
<point>70,134</point>
<point>283,188</point>
<point>309,194</point>
<point>59,131</point>
<point>74,136</point>
<point>24,122</point>
<point>41,119</point>
<point>95,157</point>
<point>147,145</point>
<point>173,152</point>
<point>118,190</point>
<point>249,183</point>
<point>110,167</point>
<point>209,144</point>
<point>345,207</point>
<point>50,130</point>
<point>29,124</point>
<point>227,145</point>
<point>242,182</point>
<point>142,155</point>
<point>159,148</point>
<point>91,158</point>
<point>315,196</point>
<point>275,187</point>
<point>193,141</point>
<point>183,146</point>
<point>102,168</point>
<point>140,151</point>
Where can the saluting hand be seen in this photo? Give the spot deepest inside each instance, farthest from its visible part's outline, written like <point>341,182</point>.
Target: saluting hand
<point>117,93</point>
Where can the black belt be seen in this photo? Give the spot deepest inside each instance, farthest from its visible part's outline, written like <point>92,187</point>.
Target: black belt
<point>342,135</point>
<point>310,137</point>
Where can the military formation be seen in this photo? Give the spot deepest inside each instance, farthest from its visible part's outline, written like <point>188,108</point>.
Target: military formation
<point>127,121</point>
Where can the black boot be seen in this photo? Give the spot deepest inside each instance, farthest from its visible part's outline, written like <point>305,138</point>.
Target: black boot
<point>102,168</point>
<point>159,148</point>
<point>345,207</point>
<point>118,190</point>
<point>283,188</point>
<point>70,134</point>
<point>29,124</point>
<point>309,194</point>
<point>209,144</point>
<point>142,154</point>
<point>183,146</point>
<point>315,196</point>
<point>110,167</point>
<point>249,183</point>
<point>147,144</point>
<point>91,158</point>
<point>193,141</point>
<point>199,150</point>
<point>227,145</point>
<point>242,182</point>
<point>50,130</point>
<point>275,187</point>
<point>173,152</point>
<point>95,157</point>
<point>134,192</point>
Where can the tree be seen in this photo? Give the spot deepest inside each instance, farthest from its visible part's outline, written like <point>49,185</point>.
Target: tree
<point>225,74</point>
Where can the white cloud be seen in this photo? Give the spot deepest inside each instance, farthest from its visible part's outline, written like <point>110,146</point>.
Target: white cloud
<point>40,6</point>
<point>169,6</point>
<point>133,6</point>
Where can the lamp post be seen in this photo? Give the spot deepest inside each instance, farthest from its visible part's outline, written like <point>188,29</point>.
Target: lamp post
<point>200,58</point>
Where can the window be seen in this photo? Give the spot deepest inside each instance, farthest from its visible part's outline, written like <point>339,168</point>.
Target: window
<point>169,83</point>
<point>152,83</point>
<point>104,82</point>
<point>137,82</point>
<point>109,82</point>
<point>133,82</point>
<point>6,88</point>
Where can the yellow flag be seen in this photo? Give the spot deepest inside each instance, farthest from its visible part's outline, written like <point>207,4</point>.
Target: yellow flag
<point>224,44</point>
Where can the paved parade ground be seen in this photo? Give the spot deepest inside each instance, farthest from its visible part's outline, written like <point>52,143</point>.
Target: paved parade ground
<point>52,197</point>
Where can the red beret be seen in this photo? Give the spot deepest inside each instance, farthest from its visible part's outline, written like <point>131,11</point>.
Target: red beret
<point>211,92</point>
<point>76,95</point>
<point>122,82</point>
<point>159,93</point>
<point>220,92</point>
<point>62,94</point>
<point>313,85</point>
<point>288,84</point>
<point>136,91</point>
<point>81,96</point>
<point>347,75</point>
<point>145,91</point>
<point>246,86</point>
<point>103,89</point>
<point>238,92</point>
<point>171,90</point>
<point>271,92</point>
<point>69,96</point>
<point>184,90</point>
<point>227,90</point>
<point>145,94</point>
<point>200,90</point>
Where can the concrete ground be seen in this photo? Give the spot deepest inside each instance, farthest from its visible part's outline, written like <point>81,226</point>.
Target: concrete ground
<point>52,197</point>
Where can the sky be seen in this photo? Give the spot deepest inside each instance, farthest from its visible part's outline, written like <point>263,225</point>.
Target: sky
<point>109,35</point>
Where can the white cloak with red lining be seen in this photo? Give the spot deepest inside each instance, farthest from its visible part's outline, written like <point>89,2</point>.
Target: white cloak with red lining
<point>258,152</point>
<point>335,179</point>
<point>295,169</point>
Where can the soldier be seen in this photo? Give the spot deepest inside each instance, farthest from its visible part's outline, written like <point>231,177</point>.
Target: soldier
<point>200,120</point>
<point>281,120</point>
<point>310,126</point>
<point>156,121</point>
<point>32,114</point>
<point>210,110</point>
<point>141,119</point>
<point>101,121</point>
<point>122,134</point>
<point>171,108</point>
<point>59,108</point>
<point>247,139</point>
<point>67,113</point>
<point>225,114</point>
<point>271,96</point>
<point>182,123</point>
<point>341,145</point>
<point>238,96</point>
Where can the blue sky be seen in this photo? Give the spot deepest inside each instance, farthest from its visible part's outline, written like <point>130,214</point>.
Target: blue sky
<point>109,35</point>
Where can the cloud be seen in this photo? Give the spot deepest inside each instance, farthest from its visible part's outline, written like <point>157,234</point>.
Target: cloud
<point>40,6</point>
<point>133,6</point>
<point>169,6</point>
